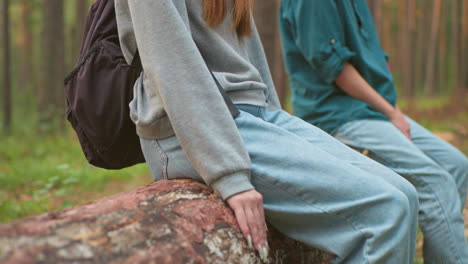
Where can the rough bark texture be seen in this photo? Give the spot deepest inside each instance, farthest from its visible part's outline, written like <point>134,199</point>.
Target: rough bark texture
<point>171,222</point>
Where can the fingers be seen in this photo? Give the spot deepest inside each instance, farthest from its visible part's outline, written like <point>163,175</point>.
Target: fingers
<point>252,228</point>
<point>407,129</point>
<point>257,227</point>
<point>259,231</point>
<point>243,225</point>
<point>404,127</point>
<point>261,210</point>
<point>408,134</point>
<point>399,120</point>
<point>248,208</point>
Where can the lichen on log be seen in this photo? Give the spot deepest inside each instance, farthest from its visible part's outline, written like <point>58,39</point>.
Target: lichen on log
<point>165,222</point>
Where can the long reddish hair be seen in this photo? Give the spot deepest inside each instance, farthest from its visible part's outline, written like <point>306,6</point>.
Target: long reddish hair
<point>214,12</point>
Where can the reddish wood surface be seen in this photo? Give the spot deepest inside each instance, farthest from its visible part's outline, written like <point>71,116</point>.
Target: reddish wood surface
<point>178,221</point>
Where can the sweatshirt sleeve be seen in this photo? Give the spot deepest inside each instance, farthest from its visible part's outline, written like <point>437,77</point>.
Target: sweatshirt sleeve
<point>320,36</point>
<point>259,60</point>
<point>199,116</point>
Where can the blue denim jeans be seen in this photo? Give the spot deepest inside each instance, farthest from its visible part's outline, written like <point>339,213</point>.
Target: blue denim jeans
<point>437,170</point>
<point>315,189</point>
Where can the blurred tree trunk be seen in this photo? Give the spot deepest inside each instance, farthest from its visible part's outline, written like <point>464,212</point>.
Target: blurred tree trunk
<point>421,42</point>
<point>455,29</point>
<point>413,48</point>
<point>385,34</point>
<point>266,18</point>
<point>80,19</point>
<point>375,6</point>
<point>442,64</point>
<point>6,67</point>
<point>432,49</point>
<point>404,36</point>
<point>25,43</point>
<point>51,97</point>
<point>464,48</point>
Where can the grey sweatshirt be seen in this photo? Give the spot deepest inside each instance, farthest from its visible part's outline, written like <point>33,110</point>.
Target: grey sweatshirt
<point>176,94</point>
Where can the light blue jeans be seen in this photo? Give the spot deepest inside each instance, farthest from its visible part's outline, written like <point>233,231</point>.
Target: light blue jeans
<point>437,170</point>
<point>315,189</point>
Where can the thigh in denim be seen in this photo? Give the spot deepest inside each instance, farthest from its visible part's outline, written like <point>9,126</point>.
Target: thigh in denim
<point>167,160</point>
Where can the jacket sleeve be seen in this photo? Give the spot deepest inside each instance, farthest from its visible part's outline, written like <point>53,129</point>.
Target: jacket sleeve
<point>319,34</point>
<point>198,114</point>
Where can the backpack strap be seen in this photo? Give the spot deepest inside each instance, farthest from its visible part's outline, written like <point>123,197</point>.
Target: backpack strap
<point>136,59</point>
<point>232,108</point>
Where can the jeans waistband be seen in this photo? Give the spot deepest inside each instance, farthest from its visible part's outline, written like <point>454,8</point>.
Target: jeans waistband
<point>254,110</point>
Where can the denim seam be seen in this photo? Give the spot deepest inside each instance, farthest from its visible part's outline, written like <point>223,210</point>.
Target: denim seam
<point>391,165</point>
<point>258,112</point>
<point>164,159</point>
<point>354,225</point>
<point>453,248</point>
<point>261,113</point>
<point>424,185</point>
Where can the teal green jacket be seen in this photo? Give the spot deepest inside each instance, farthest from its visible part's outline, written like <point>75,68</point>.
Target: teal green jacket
<point>319,36</point>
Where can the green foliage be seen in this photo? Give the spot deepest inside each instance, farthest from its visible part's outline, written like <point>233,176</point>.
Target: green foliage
<point>425,103</point>
<point>437,113</point>
<point>440,114</point>
<point>42,167</point>
<point>41,173</point>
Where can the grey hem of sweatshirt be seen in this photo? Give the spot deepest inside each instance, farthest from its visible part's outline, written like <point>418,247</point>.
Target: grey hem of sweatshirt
<point>232,184</point>
<point>177,95</point>
<point>161,127</point>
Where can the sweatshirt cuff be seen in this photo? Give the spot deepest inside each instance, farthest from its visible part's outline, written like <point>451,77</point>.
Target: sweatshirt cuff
<point>232,184</point>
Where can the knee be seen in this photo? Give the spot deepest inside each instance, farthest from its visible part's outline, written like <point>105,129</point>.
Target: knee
<point>460,171</point>
<point>404,190</point>
<point>464,172</point>
<point>412,196</point>
<point>402,206</point>
<point>460,163</point>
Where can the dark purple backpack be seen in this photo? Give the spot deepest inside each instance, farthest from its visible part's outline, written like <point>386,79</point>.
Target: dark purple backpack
<point>99,90</point>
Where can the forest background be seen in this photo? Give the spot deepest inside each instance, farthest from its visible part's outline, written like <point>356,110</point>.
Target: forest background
<point>42,167</point>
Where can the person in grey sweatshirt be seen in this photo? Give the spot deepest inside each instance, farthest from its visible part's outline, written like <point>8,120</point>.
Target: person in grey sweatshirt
<point>265,163</point>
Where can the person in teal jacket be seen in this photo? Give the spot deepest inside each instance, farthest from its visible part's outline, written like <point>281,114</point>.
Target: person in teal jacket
<point>341,83</point>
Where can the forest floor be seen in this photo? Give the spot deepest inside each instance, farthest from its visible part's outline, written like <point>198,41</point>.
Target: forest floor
<point>50,174</point>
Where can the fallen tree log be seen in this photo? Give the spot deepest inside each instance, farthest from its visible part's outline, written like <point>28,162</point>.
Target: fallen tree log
<point>171,222</point>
